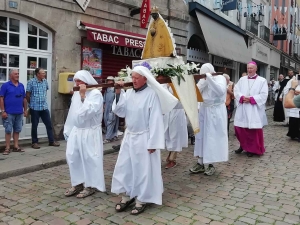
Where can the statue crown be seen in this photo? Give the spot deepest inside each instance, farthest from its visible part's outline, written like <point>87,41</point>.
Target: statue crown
<point>154,9</point>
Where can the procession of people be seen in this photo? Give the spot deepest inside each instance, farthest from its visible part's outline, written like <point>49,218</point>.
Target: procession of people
<point>162,117</point>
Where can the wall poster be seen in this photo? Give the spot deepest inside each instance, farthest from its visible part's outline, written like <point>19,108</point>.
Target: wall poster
<point>92,60</point>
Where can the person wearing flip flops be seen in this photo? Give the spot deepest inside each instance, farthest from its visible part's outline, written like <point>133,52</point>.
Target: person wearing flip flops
<point>137,174</point>
<point>13,107</point>
<point>83,132</point>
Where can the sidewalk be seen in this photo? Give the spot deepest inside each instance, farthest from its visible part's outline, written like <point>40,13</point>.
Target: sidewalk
<point>37,159</point>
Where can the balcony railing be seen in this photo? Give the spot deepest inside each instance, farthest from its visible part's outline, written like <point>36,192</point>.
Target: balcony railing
<point>252,25</point>
<point>265,33</point>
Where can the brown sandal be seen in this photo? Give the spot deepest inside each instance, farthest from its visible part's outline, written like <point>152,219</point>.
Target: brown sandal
<point>74,190</point>
<point>86,192</point>
<point>6,151</point>
<point>18,150</point>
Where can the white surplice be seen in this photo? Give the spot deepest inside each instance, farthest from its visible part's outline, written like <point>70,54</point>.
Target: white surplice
<point>175,124</point>
<point>211,142</point>
<point>247,115</point>
<point>137,172</point>
<point>84,140</point>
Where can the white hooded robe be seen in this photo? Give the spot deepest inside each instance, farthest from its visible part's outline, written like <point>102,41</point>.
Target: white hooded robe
<point>83,133</point>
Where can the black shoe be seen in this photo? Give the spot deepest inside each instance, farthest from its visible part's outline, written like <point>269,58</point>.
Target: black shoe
<point>193,140</point>
<point>116,147</point>
<point>239,151</point>
<point>249,154</point>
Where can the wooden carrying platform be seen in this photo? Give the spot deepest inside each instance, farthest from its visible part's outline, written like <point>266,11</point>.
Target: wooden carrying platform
<point>160,79</point>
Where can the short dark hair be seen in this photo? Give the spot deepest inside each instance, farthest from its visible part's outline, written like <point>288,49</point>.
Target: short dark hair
<point>37,70</point>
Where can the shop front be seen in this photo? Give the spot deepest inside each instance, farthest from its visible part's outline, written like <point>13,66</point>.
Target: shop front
<point>287,63</point>
<point>105,51</point>
<point>226,42</point>
<point>225,66</point>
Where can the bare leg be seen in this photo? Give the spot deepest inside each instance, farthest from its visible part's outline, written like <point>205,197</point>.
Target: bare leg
<point>16,139</point>
<point>7,141</point>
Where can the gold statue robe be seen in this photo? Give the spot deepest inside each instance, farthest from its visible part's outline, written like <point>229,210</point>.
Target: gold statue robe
<point>160,44</point>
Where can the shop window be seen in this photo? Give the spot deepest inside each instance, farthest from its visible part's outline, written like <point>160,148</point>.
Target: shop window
<point>37,38</point>
<point>7,62</point>
<point>9,31</point>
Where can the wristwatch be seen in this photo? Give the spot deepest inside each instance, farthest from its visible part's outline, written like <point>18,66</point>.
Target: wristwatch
<point>2,111</point>
<point>292,89</point>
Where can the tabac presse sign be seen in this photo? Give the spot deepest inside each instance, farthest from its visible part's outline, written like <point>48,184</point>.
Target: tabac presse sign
<point>83,4</point>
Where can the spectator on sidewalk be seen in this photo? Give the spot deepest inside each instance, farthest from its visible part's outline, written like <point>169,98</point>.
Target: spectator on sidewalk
<point>13,106</point>
<point>36,95</point>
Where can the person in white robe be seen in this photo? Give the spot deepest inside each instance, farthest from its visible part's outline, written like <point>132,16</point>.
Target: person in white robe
<point>137,173</point>
<point>211,143</point>
<point>251,92</point>
<point>293,113</point>
<point>176,133</point>
<point>83,133</point>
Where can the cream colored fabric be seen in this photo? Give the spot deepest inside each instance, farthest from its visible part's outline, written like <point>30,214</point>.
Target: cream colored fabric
<point>186,92</point>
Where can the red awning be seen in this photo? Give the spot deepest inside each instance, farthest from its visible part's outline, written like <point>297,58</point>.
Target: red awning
<point>113,36</point>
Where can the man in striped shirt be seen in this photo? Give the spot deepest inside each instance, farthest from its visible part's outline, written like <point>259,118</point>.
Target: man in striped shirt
<point>36,95</point>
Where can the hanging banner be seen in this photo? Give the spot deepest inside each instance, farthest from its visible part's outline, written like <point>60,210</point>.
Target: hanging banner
<point>83,4</point>
<point>229,5</point>
<point>145,13</point>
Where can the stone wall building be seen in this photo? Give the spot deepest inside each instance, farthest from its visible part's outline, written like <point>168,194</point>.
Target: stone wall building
<point>53,33</point>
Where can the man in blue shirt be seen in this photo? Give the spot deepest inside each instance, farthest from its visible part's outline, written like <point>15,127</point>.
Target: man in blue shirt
<point>36,95</point>
<point>13,105</point>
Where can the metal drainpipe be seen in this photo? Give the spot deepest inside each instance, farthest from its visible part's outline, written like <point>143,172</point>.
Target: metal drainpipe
<point>169,14</point>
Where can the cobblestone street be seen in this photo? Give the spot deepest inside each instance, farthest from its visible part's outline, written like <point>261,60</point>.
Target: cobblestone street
<point>258,190</point>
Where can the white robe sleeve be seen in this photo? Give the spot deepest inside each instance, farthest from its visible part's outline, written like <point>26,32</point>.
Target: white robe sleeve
<point>236,91</point>
<point>156,125</point>
<point>217,84</point>
<point>202,84</point>
<point>287,86</point>
<point>91,105</point>
<point>120,108</point>
<point>262,97</point>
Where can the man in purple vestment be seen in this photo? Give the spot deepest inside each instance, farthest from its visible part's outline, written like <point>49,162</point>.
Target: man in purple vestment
<point>252,92</point>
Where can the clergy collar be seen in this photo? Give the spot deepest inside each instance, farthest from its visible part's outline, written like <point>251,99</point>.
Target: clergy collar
<point>141,88</point>
<point>253,77</point>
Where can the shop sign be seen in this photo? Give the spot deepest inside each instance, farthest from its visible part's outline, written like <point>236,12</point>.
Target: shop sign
<point>261,53</point>
<point>83,4</point>
<point>145,13</point>
<point>286,61</point>
<point>114,39</point>
<point>292,64</point>
<point>92,60</point>
<point>124,51</point>
<point>228,5</point>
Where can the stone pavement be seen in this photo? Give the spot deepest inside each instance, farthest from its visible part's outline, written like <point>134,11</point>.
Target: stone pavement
<point>37,159</point>
<point>259,190</point>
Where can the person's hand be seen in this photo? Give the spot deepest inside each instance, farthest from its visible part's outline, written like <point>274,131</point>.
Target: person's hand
<point>82,90</point>
<point>294,83</point>
<point>120,83</point>
<point>246,99</point>
<point>280,99</point>
<point>151,151</point>
<point>4,115</point>
<point>25,113</point>
<point>297,92</point>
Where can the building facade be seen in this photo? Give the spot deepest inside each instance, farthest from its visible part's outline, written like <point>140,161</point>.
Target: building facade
<point>251,20</point>
<point>57,36</point>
